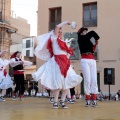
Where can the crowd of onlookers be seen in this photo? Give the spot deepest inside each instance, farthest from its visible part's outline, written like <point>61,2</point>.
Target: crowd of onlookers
<point>33,90</point>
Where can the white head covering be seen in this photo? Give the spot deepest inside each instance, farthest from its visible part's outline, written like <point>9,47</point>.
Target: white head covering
<point>3,51</point>
<point>73,25</point>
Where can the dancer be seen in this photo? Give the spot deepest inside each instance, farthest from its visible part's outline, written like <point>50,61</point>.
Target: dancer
<point>88,64</point>
<point>5,79</point>
<point>18,69</point>
<point>56,74</point>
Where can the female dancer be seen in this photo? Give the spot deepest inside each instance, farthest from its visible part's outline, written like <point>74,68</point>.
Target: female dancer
<point>5,79</point>
<point>56,74</point>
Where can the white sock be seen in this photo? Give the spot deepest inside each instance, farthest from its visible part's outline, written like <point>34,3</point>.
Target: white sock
<point>68,94</point>
<point>64,93</point>
<point>56,94</point>
<point>51,94</point>
<point>3,92</point>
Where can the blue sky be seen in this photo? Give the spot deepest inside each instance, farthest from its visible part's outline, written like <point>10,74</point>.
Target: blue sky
<point>26,9</point>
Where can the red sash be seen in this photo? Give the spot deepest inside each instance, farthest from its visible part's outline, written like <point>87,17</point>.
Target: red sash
<point>18,72</point>
<point>63,62</point>
<point>89,56</point>
<point>5,72</point>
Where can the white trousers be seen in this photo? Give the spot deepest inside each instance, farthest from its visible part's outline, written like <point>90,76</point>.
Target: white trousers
<point>89,71</point>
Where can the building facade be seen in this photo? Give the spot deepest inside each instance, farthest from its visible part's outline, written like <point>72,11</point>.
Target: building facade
<point>28,46</point>
<point>23,29</point>
<point>21,41</point>
<point>6,29</point>
<point>101,16</point>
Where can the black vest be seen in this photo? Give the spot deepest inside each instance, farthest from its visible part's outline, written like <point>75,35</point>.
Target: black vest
<point>18,67</point>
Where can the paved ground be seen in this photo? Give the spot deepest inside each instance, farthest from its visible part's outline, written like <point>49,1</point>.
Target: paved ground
<point>40,109</point>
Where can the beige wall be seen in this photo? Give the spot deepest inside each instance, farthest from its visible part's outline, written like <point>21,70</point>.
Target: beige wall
<point>108,29</point>
<point>23,29</point>
<point>5,7</point>
<point>17,39</point>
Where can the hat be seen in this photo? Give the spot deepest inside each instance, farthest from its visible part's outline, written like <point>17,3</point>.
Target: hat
<point>81,30</point>
<point>14,54</point>
<point>3,51</point>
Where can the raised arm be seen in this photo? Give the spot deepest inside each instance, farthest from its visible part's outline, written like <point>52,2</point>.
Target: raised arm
<point>59,26</point>
<point>93,34</point>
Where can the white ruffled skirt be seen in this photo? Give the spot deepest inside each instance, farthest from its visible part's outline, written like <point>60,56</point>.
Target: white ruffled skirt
<point>51,77</point>
<point>6,82</point>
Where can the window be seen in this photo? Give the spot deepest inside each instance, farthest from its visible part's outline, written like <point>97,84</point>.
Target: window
<point>27,43</point>
<point>55,17</point>
<point>90,15</point>
<point>27,53</point>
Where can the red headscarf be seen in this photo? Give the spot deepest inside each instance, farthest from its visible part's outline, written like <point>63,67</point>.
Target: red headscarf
<point>14,54</point>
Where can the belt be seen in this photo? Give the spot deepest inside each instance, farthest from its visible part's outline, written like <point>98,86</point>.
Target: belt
<point>87,56</point>
<point>18,72</point>
<point>87,53</point>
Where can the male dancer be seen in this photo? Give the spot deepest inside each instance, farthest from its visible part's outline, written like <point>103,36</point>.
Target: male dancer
<point>88,64</point>
<point>18,71</point>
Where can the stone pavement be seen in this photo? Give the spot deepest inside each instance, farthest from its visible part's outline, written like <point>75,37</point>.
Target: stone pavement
<point>33,108</point>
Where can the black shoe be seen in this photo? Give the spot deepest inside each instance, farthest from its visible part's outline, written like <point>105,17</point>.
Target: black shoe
<point>94,104</point>
<point>62,105</point>
<point>87,104</point>
<point>55,105</point>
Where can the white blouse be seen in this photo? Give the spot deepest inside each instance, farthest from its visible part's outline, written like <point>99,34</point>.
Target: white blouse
<point>3,65</point>
<point>14,63</point>
<point>56,48</point>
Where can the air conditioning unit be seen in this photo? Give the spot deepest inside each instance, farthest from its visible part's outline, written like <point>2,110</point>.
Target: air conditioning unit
<point>11,31</point>
<point>28,47</point>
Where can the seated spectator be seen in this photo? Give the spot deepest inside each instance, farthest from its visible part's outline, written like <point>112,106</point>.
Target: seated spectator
<point>33,86</point>
<point>117,96</point>
<point>26,93</point>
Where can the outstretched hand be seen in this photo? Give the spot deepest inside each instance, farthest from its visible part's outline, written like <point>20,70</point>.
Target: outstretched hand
<point>69,23</point>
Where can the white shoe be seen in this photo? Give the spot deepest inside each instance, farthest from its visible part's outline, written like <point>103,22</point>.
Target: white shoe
<point>2,99</point>
<point>87,103</point>
<point>94,103</point>
<point>51,100</point>
<point>55,105</point>
<point>62,105</point>
<point>38,94</point>
<point>14,97</point>
<point>21,99</point>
